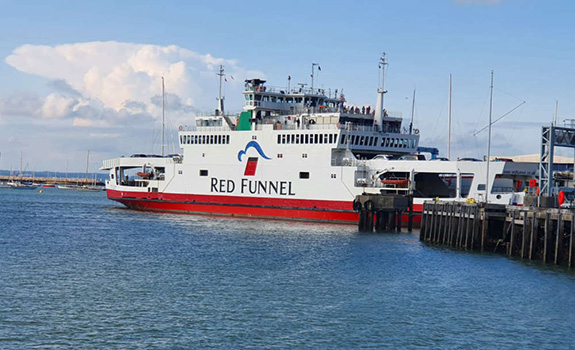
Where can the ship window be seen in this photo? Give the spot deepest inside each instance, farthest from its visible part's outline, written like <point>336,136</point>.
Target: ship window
<point>292,138</point>
<point>330,138</point>
<point>304,155</point>
<point>333,176</point>
<point>297,138</point>
<point>254,137</point>
<point>325,138</point>
<point>304,175</point>
<point>203,172</point>
<point>481,187</point>
<point>279,138</point>
<point>180,172</point>
<point>335,138</point>
<point>280,155</point>
<point>227,138</point>
<point>306,138</point>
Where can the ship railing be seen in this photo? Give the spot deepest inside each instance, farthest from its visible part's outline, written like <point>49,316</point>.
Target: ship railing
<point>285,91</point>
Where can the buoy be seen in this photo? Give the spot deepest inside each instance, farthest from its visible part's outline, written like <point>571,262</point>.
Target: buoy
<point>41,191</point>
<point>561,197</point>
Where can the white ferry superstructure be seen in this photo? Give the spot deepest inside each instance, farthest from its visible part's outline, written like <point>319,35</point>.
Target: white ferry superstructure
<point>303,155</point>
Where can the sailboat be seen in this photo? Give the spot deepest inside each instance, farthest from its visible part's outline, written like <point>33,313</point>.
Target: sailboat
<point>21,185</point>
<point>86,187</point>
<point>66,186</point>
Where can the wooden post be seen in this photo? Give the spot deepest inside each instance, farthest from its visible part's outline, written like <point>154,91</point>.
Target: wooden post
<point>484,230</point>
<point>558,239</point>
<point>391,221</point>
<point>459,227</point>
<point>468,218</point>
<point>512,239</point>
<point>369,221</point>
<point>524,237</point>
<point>547,233</point>
<point>571,241</point>
<point>428,219</point>
<point>449,225</point>
<point>410,218</point>
<point>534,232</point>
<point>475,224</point>
<point>440,211</point>
<point>433,220</point>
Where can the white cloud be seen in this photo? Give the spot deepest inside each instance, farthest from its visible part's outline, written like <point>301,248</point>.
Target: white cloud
<point>117,81</point>
<point>57,106</point>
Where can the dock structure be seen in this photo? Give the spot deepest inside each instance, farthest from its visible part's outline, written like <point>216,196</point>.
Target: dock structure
<point>383,213</point>
<point>50,180</point>
<point>531,233</point>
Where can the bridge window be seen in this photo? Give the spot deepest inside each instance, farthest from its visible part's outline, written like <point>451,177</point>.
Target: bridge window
<point>304,175</point>
<point>203,172</point>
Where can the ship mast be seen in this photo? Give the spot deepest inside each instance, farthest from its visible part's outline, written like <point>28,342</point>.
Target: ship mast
<point>449,122</point>
<point>312,74</point>
<point>489,141</point>
<point>220,110</point>
<point>163,115</point>
<point>379,106</point>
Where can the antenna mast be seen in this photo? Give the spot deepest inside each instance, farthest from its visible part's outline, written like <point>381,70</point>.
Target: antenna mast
<point>412,112</point>
<point>449,122</point>
<point>220,98</point>
<point>379,115</point>
<point>312,74</point>
<point>489,141</point>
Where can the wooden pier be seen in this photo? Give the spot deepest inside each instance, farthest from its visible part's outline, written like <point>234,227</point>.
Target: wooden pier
<point>50,180</point>
<point>383,213</point>
<point>541,234</point>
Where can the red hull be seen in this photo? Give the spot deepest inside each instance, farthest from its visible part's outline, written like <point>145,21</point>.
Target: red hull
<point>270,208</point>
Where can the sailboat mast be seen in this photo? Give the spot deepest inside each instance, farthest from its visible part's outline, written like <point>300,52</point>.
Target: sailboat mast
<point>87,165</point>
<point>489,140</point>
<point>449,122</point>
<point>163,114</point>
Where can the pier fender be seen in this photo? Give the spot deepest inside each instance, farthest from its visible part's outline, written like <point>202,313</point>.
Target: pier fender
<point>356,205</point>
<point>368,205</point>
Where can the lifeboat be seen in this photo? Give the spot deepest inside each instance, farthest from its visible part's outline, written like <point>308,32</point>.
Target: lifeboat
<point>397,182</point>
<point>143,175</point>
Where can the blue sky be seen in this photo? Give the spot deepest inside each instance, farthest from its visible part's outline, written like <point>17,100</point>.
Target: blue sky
<point>80,75</point>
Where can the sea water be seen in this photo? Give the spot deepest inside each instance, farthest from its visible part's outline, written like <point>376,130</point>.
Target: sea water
<point>78,271</point>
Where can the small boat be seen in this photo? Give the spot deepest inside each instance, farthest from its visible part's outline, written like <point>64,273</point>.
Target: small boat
<point>23,186</point>
<point>397,182</point>
<point>66,187</point>
<point>48,185</point>
<point>90,188</point>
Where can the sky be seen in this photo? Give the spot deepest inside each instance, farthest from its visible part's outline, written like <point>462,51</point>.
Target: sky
<point>79,76</point>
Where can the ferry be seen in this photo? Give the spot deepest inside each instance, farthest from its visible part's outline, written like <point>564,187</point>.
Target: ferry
<point>301,154</point>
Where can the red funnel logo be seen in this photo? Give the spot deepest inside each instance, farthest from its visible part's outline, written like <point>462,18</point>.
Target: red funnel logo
<point>251,166</point>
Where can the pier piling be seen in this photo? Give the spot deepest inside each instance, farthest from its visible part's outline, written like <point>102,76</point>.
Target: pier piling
<point>544,234</point>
